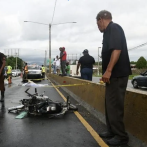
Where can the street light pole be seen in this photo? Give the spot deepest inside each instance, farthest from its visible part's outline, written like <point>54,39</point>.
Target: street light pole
<point>49,48</point>
<point>45,58</point>
<point>16,61</point>
<point>49,38</point>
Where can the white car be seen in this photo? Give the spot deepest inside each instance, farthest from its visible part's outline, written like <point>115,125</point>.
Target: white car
<point>18,71</point>
<point>34,72</point>
<point>14,73</point>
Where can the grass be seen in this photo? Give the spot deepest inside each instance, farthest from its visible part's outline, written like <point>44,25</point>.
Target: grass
<point>131,76</point>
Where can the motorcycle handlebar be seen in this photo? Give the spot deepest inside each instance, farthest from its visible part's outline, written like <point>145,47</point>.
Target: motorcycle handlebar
<point>29,93</point>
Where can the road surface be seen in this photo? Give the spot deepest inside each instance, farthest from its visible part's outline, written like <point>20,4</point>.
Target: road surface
<point>38,131</point>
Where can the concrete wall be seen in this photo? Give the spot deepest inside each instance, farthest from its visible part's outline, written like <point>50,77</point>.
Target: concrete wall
<point>94,94</point>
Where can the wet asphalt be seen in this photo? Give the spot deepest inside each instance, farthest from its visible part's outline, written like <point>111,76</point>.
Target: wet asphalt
<point>41,131</point>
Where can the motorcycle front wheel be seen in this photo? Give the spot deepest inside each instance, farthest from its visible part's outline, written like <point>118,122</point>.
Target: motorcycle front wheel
<point>73,107</point>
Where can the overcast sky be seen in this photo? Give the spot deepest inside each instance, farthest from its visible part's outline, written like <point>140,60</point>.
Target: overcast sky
<point>32,39</point>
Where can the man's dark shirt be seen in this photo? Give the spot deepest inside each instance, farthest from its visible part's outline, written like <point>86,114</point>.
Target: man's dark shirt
<point>114,39</point>
<point>61,53</point>
<point>1,61</point>
<point>86,61</point>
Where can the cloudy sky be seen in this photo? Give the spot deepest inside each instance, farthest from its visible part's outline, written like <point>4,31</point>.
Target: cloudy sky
<point>32,39</point>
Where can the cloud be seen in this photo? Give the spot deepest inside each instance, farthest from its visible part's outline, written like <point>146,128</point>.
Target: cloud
<point>74,36</point>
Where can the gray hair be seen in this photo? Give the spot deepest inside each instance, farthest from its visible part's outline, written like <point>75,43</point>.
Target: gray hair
<point>104,14</point>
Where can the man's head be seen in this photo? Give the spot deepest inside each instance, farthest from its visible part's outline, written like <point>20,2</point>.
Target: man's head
<point>60,48</point>
<point>26,63</point>
<point>85,52</point>
<point>57,57</point>
<point>42,65</point>
<point>103,18</point>
<point>63,48</point>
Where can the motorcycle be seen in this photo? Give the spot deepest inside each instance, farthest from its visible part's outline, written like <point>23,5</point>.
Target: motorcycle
<point>41,104</point>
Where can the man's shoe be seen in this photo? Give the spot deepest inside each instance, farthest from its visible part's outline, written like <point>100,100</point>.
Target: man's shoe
<point>115,141</point>
<point>106,135</point>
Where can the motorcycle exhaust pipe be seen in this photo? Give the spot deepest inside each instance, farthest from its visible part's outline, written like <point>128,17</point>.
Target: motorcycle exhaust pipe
<point>15,108</point>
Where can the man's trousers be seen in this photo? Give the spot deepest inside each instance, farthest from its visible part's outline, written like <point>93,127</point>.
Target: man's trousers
<point>114,106</point>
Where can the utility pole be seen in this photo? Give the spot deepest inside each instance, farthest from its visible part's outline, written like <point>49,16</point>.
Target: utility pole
<point>45,58</point>
<point>49,48</point>
<point>18,52</point>
<point>16,61</point>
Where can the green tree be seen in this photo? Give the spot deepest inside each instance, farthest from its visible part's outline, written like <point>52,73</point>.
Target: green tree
<point>133,62</point>
<point>141,63</point>
<point>12,62</point>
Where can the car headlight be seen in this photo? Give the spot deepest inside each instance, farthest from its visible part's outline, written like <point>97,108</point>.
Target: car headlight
<point>38,72</point>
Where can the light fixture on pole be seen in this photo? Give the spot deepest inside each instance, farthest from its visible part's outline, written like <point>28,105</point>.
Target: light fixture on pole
<point>49,38</point>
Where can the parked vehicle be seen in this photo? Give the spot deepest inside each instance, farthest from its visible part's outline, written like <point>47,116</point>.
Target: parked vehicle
<point>41,104</point>
<point>18,71</point>
<point>14,73</point>
<point>34,72</point>
<point>140,80</point>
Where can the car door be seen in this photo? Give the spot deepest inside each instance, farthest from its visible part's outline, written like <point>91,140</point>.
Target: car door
<point>145,79</point>
<point>142,81</point>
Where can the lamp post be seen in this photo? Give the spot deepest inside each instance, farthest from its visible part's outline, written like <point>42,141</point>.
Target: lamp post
<point>45,59</point>
<point>50,25</point>
<point>98,71</point>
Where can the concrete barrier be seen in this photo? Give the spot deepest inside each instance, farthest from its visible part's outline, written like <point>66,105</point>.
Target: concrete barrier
<point>135,116</point>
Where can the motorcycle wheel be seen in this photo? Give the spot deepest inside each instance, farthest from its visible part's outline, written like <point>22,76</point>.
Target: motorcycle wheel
<point>73,107</point>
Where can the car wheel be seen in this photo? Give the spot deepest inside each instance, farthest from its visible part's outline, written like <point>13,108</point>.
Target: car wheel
<point>135,84</point>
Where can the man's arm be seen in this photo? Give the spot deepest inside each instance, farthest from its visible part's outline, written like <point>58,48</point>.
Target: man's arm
<point>113,60</point>
<point>3,65</point>
<point>78,65</point>
<point>93,61</point>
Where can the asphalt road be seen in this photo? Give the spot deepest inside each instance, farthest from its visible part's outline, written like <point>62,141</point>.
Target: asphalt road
<point>65,131</point>
<point>39,131</point>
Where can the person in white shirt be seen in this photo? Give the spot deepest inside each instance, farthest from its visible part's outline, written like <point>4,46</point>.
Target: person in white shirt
<point>57,65</point>
<point>54,66</point>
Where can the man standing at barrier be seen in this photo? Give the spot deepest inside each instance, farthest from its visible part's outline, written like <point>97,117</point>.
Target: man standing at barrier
<point>57,65</point>
<point>86,63</point>
<point>2,65</point>
<point>116,69</point>
<point>43,72</point>
<point>63,60</point>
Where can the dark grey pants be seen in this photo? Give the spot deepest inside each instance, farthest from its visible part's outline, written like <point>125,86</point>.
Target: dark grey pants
<point>63,65</point>
<point>114,106</point>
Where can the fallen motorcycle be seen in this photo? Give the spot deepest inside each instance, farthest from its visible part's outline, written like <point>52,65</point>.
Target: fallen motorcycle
<point>41,104</point>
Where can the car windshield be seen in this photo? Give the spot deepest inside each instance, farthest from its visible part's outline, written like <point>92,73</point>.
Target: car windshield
<point>13,70</point>
<point>33,67</point>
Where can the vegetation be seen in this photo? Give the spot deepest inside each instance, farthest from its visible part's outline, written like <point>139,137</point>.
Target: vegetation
<point>141,63</point>
<point>12,62</point>
<point>133,62</point>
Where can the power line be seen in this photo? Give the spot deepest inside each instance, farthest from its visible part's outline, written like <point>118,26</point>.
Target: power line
<point>54,11</point>
<point>138,46</point>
